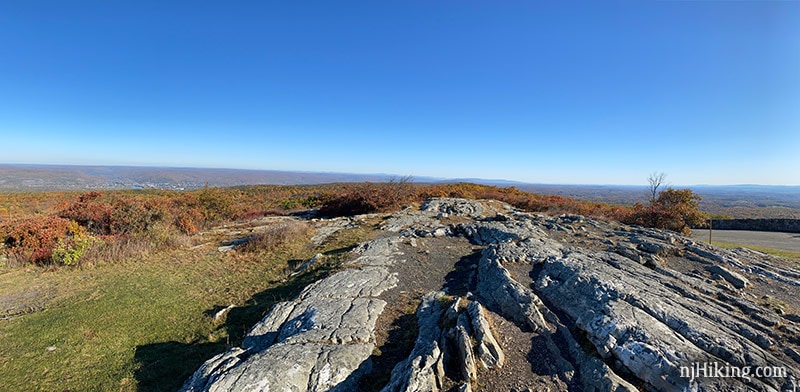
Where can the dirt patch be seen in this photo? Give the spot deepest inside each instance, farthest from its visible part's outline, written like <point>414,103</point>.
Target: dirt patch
<point>29,300</point>
<point>423,265</point>
<point>527,362</point>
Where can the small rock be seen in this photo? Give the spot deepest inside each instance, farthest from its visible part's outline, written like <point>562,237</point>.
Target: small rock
<point>440,232</point>
<point>226,248</point>
<point>307,264</point>
<point>735,279</point>
<point>219,315</point>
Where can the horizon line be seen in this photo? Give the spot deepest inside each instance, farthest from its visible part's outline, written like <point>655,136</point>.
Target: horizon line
<point>428,178</point>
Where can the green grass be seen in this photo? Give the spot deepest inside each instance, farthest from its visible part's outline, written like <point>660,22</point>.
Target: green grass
<point>787,254</point>
<point>147,325</point>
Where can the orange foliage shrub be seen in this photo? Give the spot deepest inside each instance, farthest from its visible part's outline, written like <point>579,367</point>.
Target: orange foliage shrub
<point>675,210</point>
<point>91,211</point>
<point>367,198</point>
<point>187,220</point>
<point>112,215</point>
<point>32,240</point>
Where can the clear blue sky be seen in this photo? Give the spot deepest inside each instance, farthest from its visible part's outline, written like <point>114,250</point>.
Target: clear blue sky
<point>552,92</point>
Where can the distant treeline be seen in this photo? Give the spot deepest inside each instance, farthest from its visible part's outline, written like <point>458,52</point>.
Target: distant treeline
<point>782,225</point>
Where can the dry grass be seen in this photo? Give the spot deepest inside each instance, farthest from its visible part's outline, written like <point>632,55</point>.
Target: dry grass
<point>278,236</point>
<point>786,254</point>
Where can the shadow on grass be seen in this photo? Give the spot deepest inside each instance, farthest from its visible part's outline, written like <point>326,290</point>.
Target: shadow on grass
<point>166,366</point>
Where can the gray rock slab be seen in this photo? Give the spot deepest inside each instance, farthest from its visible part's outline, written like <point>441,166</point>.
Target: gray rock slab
<point>453,206</point>
<point>489,351</point>
<point>378,252</point>
<point>353,283</point>
<point>321,341</point>
<point>405,219</point>
<point>422,371</point>
<point>469,369</point>
<point>735,279</point>
<point>630,314</point>
<point>493,232</point>
<point>295,367</point>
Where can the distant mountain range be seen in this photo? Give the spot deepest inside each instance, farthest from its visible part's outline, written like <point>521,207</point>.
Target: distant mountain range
<point>734,200</point>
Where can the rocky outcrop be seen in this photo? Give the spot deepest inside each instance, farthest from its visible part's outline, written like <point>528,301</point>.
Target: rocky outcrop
<point>489,351</point>
<point>451,334</point>
<point>645,320</point>
<point>321,341</point>
<point>423,370</point>
<point>609,308</point>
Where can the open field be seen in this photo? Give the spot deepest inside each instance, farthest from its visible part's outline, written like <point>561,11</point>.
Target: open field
<point>783,241</point>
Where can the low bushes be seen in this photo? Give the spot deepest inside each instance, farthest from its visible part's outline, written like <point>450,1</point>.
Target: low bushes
<point>368,198</point>
<point>70,248</point>
<point>675,210</point>
<point>117,225</point>
<point>33,239</point>
<point>98,226</point>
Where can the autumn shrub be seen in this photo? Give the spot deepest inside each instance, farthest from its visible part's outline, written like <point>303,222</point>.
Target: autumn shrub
<point>70,249</point>
<point>137,215</point>
<point>91,210</point>
<point>368,198</point>
<point>32,240</point>
<point>299,201</point>
<point>675,210</point>
<point>105,215</point>
<point>187,220</point>
<point>215,204</point>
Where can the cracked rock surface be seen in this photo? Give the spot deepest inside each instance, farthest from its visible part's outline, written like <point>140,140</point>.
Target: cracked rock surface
<point>506,300</point>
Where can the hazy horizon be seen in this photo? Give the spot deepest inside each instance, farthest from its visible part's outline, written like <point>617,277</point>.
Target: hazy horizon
<point>546,92</point>
<point>389,176</point>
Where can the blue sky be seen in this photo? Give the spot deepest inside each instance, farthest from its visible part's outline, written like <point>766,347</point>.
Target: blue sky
<point>551,92</point>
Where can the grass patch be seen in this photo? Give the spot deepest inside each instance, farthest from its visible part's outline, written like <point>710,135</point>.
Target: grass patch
<point>147,325</point>
<point>786,254</point>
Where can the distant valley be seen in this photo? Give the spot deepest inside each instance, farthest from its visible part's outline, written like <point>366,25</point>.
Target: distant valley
<point>58,177</point>
<point>738,201</point>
